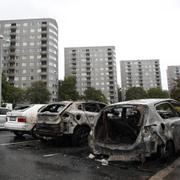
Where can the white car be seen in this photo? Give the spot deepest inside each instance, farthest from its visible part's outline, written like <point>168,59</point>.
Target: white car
<point>3,112</point>
<point>23,120</point>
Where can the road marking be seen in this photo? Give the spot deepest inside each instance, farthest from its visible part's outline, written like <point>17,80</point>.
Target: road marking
<point>8,144</point>
<point>50,155</point>
<point>166,171</point>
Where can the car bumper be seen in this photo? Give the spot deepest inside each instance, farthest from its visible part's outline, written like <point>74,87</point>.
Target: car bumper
<point>2,126</point>
<point>18,126</point>
<point>138,153</point>
<point>48,130</point>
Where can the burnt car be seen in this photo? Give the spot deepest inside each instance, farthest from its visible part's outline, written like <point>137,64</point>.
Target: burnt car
<point>134,130</point>
<point>67,118</point>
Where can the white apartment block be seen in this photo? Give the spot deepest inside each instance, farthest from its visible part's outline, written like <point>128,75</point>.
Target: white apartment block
<point>140,73</point>
<point>93,67</point>
<point>31,53</point>
<point>173,73</point>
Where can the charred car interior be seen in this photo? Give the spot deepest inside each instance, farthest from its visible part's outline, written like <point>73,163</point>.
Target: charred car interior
<point>120,124</point>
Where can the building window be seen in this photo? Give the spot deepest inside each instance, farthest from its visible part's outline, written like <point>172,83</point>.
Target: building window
<point>24,71</point>
<point>25,24</point>
<point>24,43</point>
<point>31,43</point>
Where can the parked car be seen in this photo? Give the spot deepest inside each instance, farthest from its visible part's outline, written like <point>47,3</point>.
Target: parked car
<point>23,119</point>
<point>3,112</point>
<point>134,130</point>
<point>67,118</point>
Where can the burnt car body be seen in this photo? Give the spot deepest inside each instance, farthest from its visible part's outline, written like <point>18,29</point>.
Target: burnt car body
<point>67,118</point>
<point>134,130</point>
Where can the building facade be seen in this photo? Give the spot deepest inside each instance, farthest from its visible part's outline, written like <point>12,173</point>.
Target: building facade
<point>31,53</point>
<point>173,73</point>
<point>140,73</point>
<point>93,67</point>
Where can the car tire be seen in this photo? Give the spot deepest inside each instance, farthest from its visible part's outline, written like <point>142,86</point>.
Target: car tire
<point>80,136</point>
<point>33,132</point>
<point>18,133</point>
<point>167,152</point>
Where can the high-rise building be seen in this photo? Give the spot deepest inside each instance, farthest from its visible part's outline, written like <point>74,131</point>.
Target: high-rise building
<point>31,53</point>
<point>93,67</point>
<point>140,73</point>
<point>173,73</point>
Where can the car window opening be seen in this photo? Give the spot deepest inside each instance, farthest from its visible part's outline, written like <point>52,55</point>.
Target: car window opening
<point>54,108</point>
<point>120,124</point>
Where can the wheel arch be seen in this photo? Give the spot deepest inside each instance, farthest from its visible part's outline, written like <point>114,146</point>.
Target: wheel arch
<point>82,125</point>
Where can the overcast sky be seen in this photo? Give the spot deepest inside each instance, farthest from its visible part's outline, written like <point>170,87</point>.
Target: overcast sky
<point>139,29</point>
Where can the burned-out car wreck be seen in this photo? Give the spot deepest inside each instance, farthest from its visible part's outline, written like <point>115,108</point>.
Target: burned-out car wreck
<point>134,130</point>
<point>67,118</point>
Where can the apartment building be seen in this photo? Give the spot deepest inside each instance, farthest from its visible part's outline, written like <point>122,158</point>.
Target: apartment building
<point>31,53</point>
<point>93,67</point>
<point>140,73</point>
<point>173,73</point>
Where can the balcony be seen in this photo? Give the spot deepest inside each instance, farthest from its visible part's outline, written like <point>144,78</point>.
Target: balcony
<point>43,63</point>
<point>44,28</point>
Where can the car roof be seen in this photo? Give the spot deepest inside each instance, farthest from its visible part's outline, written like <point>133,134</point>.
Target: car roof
<point>3,108</point>
<point>66,102</point>
<point>144,101</point>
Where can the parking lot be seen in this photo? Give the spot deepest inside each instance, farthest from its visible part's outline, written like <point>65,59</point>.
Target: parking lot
<point>28,158</point>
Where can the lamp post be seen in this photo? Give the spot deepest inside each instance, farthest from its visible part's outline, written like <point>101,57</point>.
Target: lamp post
<point>1,58</point>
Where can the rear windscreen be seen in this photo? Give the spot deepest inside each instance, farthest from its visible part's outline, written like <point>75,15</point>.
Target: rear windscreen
<point>53,108</point>
<point>4,111</point>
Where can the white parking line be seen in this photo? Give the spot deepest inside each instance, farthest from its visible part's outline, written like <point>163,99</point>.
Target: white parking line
<point>50,155</point>
<point>22,142</point>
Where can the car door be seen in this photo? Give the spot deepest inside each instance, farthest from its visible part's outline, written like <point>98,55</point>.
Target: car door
<point>91,111</point>
<point>171,120</point>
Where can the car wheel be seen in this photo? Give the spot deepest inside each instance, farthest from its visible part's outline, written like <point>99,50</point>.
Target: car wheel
<point>167,152</point>
<point>80,136</point>
<point>33,132</point>
<point>18,133</point>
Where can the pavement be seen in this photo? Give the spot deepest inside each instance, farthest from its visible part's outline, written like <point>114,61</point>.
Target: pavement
<point>172,172</point>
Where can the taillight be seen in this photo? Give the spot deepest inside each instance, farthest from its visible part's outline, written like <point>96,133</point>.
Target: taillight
<point>21,119</point>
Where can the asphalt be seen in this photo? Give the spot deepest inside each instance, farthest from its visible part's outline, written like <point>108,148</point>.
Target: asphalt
<point>30,159</point>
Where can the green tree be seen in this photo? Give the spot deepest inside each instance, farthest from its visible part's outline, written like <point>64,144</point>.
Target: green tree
<point>38,93</point>
<point>157,93</point>
<point>93,94</point>
<point>11,94</point>
<point>175,92</point>
<point>136,93</point>
<point>67,89</point>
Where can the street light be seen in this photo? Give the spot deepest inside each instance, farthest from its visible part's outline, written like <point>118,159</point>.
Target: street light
<point>1,58</point>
